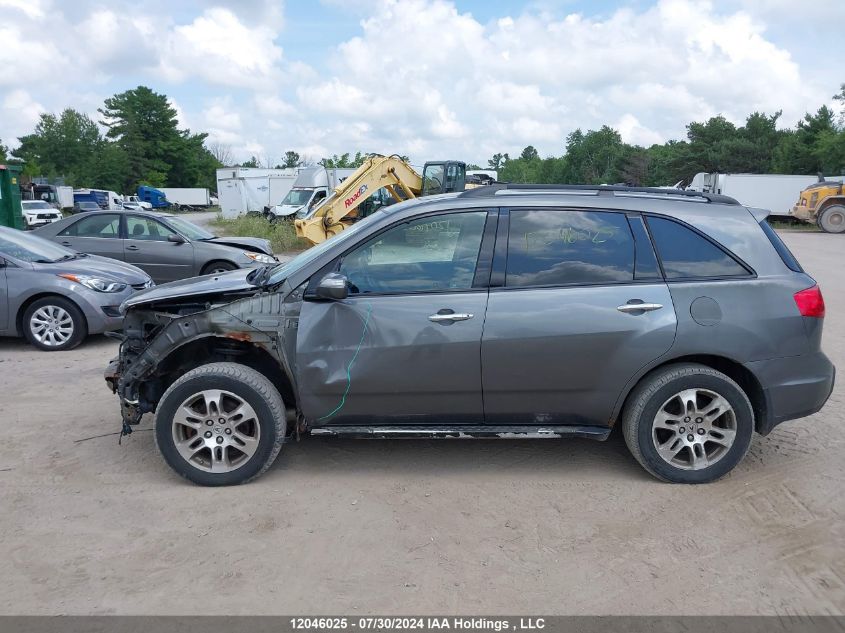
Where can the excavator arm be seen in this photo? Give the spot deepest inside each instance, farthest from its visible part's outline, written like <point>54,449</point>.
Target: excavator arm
<point>332,215</point>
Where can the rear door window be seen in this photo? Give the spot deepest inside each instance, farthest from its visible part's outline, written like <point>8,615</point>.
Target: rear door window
<point>95,225</point>
<point>561,247</point>
<point>686,254</point>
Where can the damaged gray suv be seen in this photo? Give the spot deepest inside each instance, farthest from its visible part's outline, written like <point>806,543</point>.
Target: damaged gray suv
<point>503,311</point>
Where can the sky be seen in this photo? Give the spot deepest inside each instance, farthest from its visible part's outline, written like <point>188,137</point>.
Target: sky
<point>432,79</point>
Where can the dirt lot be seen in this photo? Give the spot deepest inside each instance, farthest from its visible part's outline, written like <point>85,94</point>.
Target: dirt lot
<point>542,526</point>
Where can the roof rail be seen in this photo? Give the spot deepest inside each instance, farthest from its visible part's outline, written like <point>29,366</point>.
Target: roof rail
<point>491,190</point>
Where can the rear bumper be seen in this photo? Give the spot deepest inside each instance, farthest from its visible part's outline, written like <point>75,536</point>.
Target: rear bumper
<point>793,387</point>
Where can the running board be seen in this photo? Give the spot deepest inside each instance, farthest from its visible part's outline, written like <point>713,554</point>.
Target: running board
<point>464,432</point>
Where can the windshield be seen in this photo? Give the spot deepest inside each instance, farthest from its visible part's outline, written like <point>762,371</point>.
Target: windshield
<point>29,248</point>
<point>189,230</point>
<point>298,197</point>
<point>282,271</point>
<point>35,204</point>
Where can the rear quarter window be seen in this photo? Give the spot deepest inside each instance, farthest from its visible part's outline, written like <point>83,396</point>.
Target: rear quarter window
<point>686,254</point>
<point>781,248</point>
<point>94,225</point>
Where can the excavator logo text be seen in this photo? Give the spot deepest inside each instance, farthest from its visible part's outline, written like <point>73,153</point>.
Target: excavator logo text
<point>351,199</point>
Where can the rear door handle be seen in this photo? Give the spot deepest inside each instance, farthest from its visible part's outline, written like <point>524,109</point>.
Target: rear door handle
<point>450,316</point>
<point>132,247</point>
<point>639,307</point>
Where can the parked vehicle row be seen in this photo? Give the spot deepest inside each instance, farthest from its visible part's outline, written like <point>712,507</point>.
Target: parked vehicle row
<point>68,278</point>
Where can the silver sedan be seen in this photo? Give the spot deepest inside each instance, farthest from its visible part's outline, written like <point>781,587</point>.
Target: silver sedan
<point>54,296</point>
<point>166,246</point>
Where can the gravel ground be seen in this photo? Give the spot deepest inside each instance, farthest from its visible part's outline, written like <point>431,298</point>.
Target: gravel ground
<point>344,526</point>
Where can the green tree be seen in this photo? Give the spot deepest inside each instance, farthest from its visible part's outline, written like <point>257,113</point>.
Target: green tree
<point>529,153</point>
<point>4,152</point>
<point>595,157</point>
<point>143,124</point>
<point>252,162</point>
<point>63,145</point>
<point>801,152</point>
<point>291,159</point>
<point>498,161</point>
<point>344,161</point>
<point>839,97</point>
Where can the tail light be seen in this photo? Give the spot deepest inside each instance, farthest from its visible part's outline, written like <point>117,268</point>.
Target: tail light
<point>810,302</point>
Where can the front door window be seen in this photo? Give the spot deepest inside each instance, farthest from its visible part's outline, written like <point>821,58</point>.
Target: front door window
<point>430,254</point>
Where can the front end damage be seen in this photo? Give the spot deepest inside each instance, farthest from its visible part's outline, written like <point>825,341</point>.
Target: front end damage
<point>163,340</point>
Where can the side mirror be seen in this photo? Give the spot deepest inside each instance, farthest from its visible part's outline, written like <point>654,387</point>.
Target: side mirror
<point>175,238</point>
<point>333,286</point>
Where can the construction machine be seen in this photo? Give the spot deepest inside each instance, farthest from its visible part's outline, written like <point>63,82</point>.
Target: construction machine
<point>345,205</point>
<point>824,204</point>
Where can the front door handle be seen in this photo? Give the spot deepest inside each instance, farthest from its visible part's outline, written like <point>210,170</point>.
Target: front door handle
<point>66,244</point>
<point>639,307</point>
<point>442,316</point>
<point>131,247</point>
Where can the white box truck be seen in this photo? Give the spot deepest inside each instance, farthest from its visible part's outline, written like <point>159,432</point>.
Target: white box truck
<point>64,196</point>
<point>182,197</point>
<point>252,189</point>
<point>312,185</point>
<point>775,192</point>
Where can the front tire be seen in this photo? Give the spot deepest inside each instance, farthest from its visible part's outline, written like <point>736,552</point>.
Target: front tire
<point>54,324</point>
<point>214,268</point>
<point>832,219</point>
<point>220,424</point>
<point>688,424</point>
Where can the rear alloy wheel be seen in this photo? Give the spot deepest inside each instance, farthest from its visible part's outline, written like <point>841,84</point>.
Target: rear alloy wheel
<point>694,429</point>
<point>54,324</point>
<point>220,424</point>
<point>688,424</point>
<point>832,219</point>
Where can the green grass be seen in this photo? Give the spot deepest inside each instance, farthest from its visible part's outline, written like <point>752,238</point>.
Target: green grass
<point>281,234</point>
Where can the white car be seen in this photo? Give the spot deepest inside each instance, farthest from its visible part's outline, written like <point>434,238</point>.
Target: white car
<point>38,213</point>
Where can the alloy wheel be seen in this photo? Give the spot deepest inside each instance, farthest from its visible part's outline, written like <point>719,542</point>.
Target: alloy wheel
<point>694,429</point>
<point>216,431</point>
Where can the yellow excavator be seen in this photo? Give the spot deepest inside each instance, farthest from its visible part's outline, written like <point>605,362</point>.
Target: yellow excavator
<point>378,174</point>
<point>823,203</point>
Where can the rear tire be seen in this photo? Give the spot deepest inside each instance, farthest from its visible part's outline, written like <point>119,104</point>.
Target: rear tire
<point>246,431</point>
<point>688,424</point>
<point>832,219</point>
<point>54,324</point>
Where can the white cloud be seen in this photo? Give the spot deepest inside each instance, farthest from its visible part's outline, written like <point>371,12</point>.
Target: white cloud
<point>221,49</point>
<point>34,9</point>
<point>19,113</point>
<point>420,77</point>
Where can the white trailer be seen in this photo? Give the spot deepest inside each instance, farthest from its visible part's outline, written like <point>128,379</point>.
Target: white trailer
<point>774,192</point>
<point>252,189</point>
<point>64,197</point>
<point>187,196</point>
